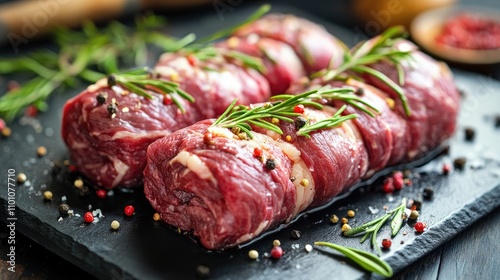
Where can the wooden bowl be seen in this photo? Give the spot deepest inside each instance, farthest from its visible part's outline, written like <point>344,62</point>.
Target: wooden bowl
<point>428,25</point>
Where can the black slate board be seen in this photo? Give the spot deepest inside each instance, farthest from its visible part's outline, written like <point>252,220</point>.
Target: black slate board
<point>145,249</point>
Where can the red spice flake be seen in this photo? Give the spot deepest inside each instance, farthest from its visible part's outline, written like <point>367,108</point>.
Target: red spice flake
<point>167,100</point>
<point>2,124</point>
<point>129,210</point>
<point>193,60</point>
<point>257,152</point>
<point>398,181</point>
<point>31,111</point>
<point>420,227</point>
<point>101,193</point>
<point>276,252</point>
<point>386,244</point>
<point>388,186</point>
<point>88,217</point>
<point>408,182</point>
<point>466,31</point>
<point>413,207</point>
<point>298,109</point>
<point>208,138</point>
<point>446,169</point>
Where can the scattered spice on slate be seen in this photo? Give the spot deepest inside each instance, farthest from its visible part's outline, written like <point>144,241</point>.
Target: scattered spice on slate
<point>115,225</point>
<point>270,164</point>
<point>350,213</point>
<point>41,151</point>
<point>6,132</point>
<point>397,180</point>
<point>428,193</point>
<point>334,219</point>
<point>129,210</point>
<point>414,214</point>
<point>446,169</point>
<point>469,133</point>
<point>47,195</point>
<point>78,183</point>
<point>345,227</point>
<point>202,271</point>
<point>253,254</point>
<point>88,217</point>
<point>101,193</point>
<point>420,227</point>
<point>296,234</point>
<point>63,209</point>
<point>459,163</point>
<point>417,203</point>
<point>21,178</point>
<point>276,242</point>
<point>406,173</point>
<point>156,216</point>
<point>386,243</point>
<point>308,248</point>
<point>344,221</point>
<point>388,186</point>
<point>276,252</point>
<point>84,191</point>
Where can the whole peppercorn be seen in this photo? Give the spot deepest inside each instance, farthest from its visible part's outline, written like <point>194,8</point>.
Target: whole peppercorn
<point>111,80</point>
<point>300,122</point>
<point>345,228</point>
<point>112,109</point>
<point>359,92</point>
<point>469,133</point>
<point>47,195</point>
<point>115,225</point>
<point>386,243</point>
<point>414,214</point>
<point>6,132</point>
<point>270,164</point>
<point>350,213</point>
<point>398,181</point>
<point>21,178</point>
<point>344,221</point>
<point>420,227</point>
<point>63,209</point>
<point>334,219</point>
<point>129,210</point>
<point>459,163</point>
<point>41,151</point>
<point>276,252</point>
<point>88,217</point>
<point>276,242</point>
<point>156,216</point>
<point>446,169</point>
<point>101,98</point>
<point>497,121</point>
<point>428,193</point>
<point>253,254</point>
<point>101,193</point>
<point>78,183</point>
<point>296,234</point>
<point>388,186</point>
<point>298,109</point>
<point>203,271</point>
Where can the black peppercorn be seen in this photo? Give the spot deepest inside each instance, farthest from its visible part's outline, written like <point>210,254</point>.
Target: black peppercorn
<point>459,163</point>
<point>417,203</point>
<point>101,98</point>
<point>112,108</point>
<point>497,121</point>
<point>359,92</point>
<point>469,134</point>
<point>295,234</point>
<point>428,193</point>
<point>300,122</point>
<point>111,80</point>
<point>63,209</point>
<point>270,164</point>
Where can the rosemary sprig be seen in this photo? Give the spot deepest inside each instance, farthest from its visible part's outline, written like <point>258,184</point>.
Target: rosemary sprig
<point>380,48</point>
<point>372,228</point>
<point>140,81</point>
<point>366,260</point>
<point>282,107</point>
<point>264,9</point>
<point>209,52</point>
<point>79,54</point>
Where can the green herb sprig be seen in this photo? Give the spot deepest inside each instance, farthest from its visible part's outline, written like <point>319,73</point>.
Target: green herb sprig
<point>80,56</point>
<point>141,80</point>
<point>372,228</point>
<point>380,48</point>
<point>366,260</point>
<point>282,107</point>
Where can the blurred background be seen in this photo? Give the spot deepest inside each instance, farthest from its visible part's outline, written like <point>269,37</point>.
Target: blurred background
<point>25,25</point>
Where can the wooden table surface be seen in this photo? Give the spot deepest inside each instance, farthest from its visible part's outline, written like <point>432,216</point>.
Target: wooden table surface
<point>473,254</point>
